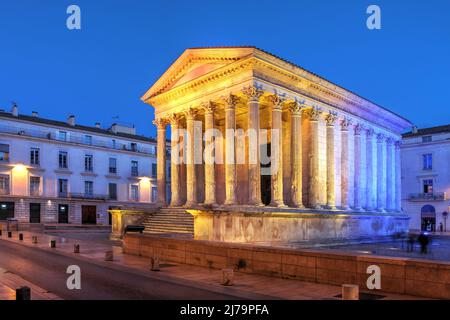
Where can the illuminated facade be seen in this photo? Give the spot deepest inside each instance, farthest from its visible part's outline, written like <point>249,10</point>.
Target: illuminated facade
<point>426,178</point>
<point>335,152</point>
<point>61,172</point>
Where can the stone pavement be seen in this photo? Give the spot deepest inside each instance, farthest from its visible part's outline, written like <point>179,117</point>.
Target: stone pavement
<point>9,280</point>
<point>245,284</point>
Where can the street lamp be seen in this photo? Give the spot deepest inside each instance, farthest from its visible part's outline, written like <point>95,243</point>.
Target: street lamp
<point>444,216</point>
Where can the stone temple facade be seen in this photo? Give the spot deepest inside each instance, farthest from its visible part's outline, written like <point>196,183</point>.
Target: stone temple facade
<point>337,156</point>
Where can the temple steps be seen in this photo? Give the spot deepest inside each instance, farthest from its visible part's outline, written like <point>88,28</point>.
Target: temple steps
<point>169,221</point>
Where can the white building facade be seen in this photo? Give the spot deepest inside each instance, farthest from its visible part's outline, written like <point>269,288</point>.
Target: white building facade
<point>61,172</point>
<point>426,178</point>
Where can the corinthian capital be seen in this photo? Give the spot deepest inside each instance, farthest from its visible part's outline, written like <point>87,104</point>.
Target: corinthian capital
<point>295,107</point>
<point>389,140</point>
<point>191,113</point>
<point>369,133</point>
<point>398,144</point>
<point>314,114</point>
<point>160,123</point>
<point>209,107</point>
<point>174,119</point>
<point>380,137</point>
<point>230,100</point>
<point>331,118</point>
<point>276,101</point>
<point>345,123</point>
<point>253,93</point>
<point>358,129</point>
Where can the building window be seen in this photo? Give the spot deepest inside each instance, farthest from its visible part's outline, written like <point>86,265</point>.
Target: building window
<point>134,192</point>
<point>114,144</point>
<point>426,139</point>
<point>428,186</point>
<point>4,152</point>
<point>154,166</point>
<point>133,146</point>
<point>153,150</point>
<point>113,165</point>
<point>4,185</point>
<point>62,187</point>
<point>112,191</point>
<point>88,139</point>
<point>88,163</point>
<point>62,135</point>
<point>35,183</point>
<point>134,168</point>
<point>34,156</point>
<point>154,194</point>
<point>427,161</point>
<point>62,160</point>
<point>89,188</point>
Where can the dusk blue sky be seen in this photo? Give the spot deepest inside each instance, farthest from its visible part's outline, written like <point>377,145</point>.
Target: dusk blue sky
<point>102,70</point>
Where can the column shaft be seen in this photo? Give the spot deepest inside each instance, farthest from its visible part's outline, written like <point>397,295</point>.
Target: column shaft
<point>210,180</point>
<point>398,178</point>
<point>344,164</point>
<point>369,175</point>
<point>296,155</point>
<point>314,183</point>
<point>161,161</point>
<point>381,183</point>
<point>331,167</point>
<point>230,157</point>
<point>276,154</point>
<point>175,161</point>
<point>191,177</point>
<point>390,196</point>
<point>357,174</point>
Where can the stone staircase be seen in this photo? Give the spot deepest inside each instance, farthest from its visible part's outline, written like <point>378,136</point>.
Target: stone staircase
<point>170,221</point>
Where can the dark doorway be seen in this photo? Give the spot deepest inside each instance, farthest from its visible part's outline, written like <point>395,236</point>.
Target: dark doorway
<point>89,214</point>
<point>35,213</point>
<point>6,210</point>
<point>428,218</point>
<point>63,213</point>
<point>265,178</point>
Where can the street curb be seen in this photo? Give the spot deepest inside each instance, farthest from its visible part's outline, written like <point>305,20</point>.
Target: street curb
<point>239,294</point>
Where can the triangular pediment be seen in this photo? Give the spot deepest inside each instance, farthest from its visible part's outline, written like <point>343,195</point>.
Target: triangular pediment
<point>194,63</point>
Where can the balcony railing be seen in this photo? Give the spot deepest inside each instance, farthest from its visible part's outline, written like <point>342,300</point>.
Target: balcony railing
<point>76,140</point>
<point>435,196</point>
<point>81,195</point>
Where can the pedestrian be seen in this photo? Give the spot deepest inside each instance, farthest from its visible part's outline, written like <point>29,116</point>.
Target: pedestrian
<point>410,245</point>
<point>441,227</point>
<point>423,240</point>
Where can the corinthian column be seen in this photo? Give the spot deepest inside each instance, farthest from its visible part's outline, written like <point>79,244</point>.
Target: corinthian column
<point>254,172</point>
<point>390,196</point>
<point>296,154</point>
<point>276,153</point>
<point>345,165</point>
<point>357,175</point>
<point>380,174</point>
<point>230,157</point>
<point>314,183</point>
<point>191,177</point>
<point>331,167</point>
<point>398,178</point>
<point>369,180</point>
<point>161,160</point>
<point>210,181</point>
<point>175,160</point>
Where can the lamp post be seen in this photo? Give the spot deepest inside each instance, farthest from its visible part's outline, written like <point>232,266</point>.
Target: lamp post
<point>444,216</point>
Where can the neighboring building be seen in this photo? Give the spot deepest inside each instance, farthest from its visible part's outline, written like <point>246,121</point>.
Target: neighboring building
<point>426,177</point>
<point>62,172</point>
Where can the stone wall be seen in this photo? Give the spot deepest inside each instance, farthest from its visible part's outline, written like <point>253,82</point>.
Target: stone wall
<point>398,275</point>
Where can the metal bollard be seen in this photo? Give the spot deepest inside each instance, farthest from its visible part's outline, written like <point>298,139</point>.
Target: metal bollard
<point>154,263</point>
<point>52,243</point>
<point>23,293</point>
<point>76,248</point>
<point>9,234</point>
<point>227,277</point>
<point>20,236</point>
<point>34,239</point>
<point>350,292</point>
<point>109,256</point>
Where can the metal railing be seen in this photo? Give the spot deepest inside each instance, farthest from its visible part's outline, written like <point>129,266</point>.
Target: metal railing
<point>77,140</point>
<point>435,196</point>
<point>81,195</point>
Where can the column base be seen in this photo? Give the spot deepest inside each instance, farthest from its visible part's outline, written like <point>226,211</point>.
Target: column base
<point>381,210</point>
<point>345,208</point>
<point>330,207</point>
<point>209,204</point>
<point>190,204</point>
<point>298,206</point>
<point>316,207</point>
<point>278,205</point>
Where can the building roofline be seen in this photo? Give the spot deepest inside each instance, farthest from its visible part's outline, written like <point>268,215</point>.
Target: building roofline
<point>427,131</point>
<point>62,124</point>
